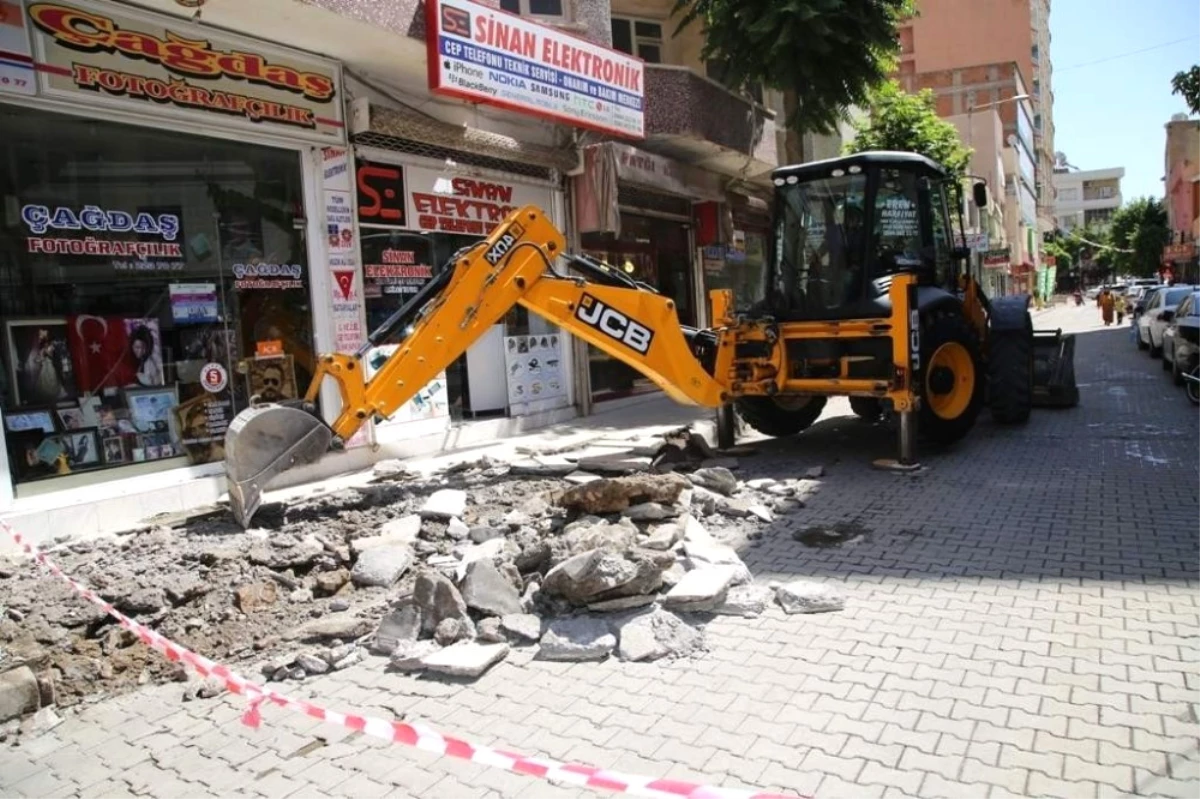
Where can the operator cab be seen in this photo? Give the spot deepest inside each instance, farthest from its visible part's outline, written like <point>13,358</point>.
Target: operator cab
<point>843,226</point>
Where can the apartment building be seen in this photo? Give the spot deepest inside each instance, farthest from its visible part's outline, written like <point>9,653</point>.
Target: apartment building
<point>951,35</point>
<point>971,97</point>
<point>1084,198</point>
<point>1181,177</point>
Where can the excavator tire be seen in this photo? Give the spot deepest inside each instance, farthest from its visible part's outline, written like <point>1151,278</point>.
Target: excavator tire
<point>780,416</point>
<point>868,408</point>
<point>951,375</point>
<point>1010,374</point>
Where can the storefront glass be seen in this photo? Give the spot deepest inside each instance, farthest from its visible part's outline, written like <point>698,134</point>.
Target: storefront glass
<point>657,252</point>
<point>151,282</point>
<point>400,258</point>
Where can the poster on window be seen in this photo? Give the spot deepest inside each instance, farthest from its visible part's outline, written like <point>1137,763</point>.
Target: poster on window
<point>396,263</point>
<point>193,303</point>
<point>535,375</point>
<point>431,402</point>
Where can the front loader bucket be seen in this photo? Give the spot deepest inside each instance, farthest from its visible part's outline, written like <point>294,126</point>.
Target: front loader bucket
<point>263,442</point>
<point>1054,370</point>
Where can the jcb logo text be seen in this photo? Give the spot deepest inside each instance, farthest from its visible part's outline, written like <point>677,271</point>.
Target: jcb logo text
<point>614,324</point>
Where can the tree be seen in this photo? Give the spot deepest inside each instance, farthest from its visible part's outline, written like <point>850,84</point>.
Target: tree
<point>897,120</point>
<point>824,55</point>
<point>1138,232</point>
<point>1187,84</point>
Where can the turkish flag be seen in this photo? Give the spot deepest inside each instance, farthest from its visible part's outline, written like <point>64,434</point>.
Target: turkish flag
<point>98,349</point>
<point>345,281</point>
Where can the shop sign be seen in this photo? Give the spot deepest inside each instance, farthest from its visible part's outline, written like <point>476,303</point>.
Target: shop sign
<point>137,58</point>
<point>343,263</point>
<point>271,348</point>
<point>268,276</point>
<point>475,206</point>
<point>92,219</point>
<point>17,75</point>
<point>400,273</point>
<point>381,199</point>
<point>977,242</point>
<point>487,56</point>
<point>996,258</point>
<point>1179,252</point>
<point>193,303</point>
<point>646,169</point>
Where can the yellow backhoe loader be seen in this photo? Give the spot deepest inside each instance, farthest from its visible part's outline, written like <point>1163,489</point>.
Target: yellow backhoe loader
<point>865,295</point>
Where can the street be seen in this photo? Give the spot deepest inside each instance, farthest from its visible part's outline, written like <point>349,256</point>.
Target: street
<point>1021,620</point>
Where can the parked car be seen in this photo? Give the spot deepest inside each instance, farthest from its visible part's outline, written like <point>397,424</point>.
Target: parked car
<point>1138,302</point>
<point>1160,309</point>
<point>1181,339</point>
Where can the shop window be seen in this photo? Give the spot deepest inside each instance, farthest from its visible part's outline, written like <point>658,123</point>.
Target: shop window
<point>638,37</point>
<point>142,273</point>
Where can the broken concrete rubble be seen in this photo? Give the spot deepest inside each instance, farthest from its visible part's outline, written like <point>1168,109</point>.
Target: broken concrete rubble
<point>804,596</point>
<point>482,554</point>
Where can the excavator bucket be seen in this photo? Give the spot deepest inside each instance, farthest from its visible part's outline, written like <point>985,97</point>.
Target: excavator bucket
<point>1054,370</point>
<point>261,443</point>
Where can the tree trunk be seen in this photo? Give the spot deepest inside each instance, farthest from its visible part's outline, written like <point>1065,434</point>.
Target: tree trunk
<point>793,139</point>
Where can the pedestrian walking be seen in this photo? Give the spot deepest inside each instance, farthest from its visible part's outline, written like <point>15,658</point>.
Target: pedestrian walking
<point>1119,307</point>
<point>1106,307</point>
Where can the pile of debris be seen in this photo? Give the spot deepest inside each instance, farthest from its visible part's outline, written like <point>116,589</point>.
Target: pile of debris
<point>441,575</point>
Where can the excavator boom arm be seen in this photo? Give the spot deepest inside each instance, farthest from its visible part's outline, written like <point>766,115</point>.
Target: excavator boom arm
<point>514,265</point>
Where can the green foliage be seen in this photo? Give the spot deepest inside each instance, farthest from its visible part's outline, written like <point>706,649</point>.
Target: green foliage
<point>825,54</point>
<point>898,120</point>
<point>1140,226</point>
<point>1187,84</point>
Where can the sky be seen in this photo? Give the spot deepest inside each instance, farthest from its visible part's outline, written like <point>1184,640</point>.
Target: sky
<point>1112,113</point>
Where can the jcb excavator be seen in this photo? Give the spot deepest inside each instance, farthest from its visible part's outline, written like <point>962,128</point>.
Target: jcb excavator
<point>865,295</point>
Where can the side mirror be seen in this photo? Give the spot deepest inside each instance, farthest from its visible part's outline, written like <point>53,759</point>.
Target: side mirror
<point>980,194</point>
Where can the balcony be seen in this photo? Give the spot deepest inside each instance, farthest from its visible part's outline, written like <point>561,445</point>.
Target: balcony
<point>699,121</point>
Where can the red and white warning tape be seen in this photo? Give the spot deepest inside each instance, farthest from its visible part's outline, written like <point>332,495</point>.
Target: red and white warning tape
<point>415,735</point>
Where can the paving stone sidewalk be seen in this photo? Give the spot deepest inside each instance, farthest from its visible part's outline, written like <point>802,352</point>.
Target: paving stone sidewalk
<point>1022,621</point>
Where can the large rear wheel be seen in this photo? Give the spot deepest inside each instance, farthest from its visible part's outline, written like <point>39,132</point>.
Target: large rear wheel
<point>780,416</point>
<point>1010,374</point>
<point>952,378</point>
<point>869,408</point>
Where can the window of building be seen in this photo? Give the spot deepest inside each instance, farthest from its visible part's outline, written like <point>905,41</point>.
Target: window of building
<point>638,37</point>
<point>535,8</point>
<point>142,273</point>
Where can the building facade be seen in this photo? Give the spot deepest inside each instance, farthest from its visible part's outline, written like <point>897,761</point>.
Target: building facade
<point>986,228</point>
<point>185,234</point>
<point>1181,171</point>
<point>949,35</point>
<point>971,97</point>
<point>1084,198</point>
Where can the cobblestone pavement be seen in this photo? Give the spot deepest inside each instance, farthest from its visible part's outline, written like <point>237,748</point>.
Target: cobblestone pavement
<point>1022,620</point>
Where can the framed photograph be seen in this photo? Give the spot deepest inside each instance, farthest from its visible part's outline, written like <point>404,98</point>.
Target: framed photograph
<point>72,418</point>
<point>272,379</point>
<point>114,450</point>
<point>40,367</point>
<point>20,421</point>
<point>150,408</point>
<point>82,447</point>
<point>27,457</point>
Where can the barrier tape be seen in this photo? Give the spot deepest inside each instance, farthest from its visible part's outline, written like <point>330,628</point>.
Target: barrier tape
<point>415,735</point>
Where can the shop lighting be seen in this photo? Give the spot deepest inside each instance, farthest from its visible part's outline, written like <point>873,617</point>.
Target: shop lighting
<point>445,183</point>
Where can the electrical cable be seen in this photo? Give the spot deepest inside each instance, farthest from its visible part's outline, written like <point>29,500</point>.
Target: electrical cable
<point>1058,70</point>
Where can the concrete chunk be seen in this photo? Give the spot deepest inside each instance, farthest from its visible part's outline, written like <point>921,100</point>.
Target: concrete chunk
<point>702,589</point>
<point>465,659</point>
